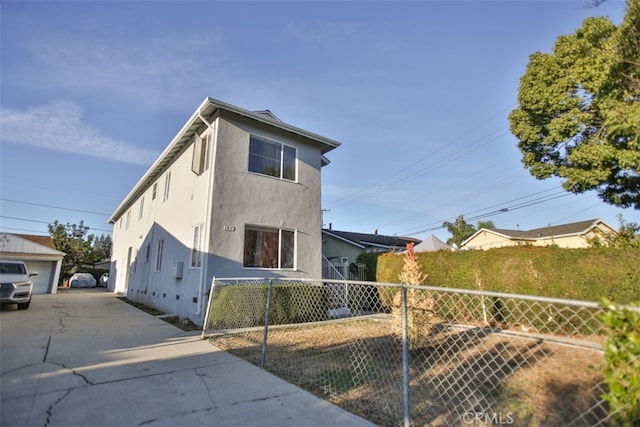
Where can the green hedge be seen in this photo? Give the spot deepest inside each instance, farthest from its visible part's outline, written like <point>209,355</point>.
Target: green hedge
<point>622,357</point>
<point>582,274</point>
<point>241,306</point>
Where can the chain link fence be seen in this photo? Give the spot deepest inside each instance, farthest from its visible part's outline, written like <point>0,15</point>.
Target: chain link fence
<point>419,355</point>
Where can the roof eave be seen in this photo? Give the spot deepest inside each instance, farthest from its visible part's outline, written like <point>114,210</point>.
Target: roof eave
<point>208,108</point>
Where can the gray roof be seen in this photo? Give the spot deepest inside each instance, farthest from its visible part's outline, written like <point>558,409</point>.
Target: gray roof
<point>377,240</point>
<point>551,230</point>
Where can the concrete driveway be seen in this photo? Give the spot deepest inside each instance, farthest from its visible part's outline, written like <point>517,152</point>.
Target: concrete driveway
<point>84,358</point>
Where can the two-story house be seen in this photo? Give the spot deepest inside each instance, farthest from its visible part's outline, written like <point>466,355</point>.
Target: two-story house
<point>235,194</point>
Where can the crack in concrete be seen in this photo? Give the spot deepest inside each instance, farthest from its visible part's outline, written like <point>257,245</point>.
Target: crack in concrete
<point>50,408</point>
<point>262,399</point>
<point>73,372</point>
<point>201,376</point>
<point>46,350</point>
<point>61,323</point>
<point>193,411</point>
<point>2,374</point>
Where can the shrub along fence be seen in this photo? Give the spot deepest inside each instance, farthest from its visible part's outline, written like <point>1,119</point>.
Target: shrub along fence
<point>582,274</point>
<point>419,355</point>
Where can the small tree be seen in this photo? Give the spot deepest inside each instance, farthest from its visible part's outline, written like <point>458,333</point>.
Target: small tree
<point>420,307</point>
<point>460,230</point>
<point>627,236</point>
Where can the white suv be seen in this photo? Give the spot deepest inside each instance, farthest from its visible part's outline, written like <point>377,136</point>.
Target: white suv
<point>15,284</point>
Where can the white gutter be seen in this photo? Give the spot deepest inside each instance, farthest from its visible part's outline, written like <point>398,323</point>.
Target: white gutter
<point>211,152</point>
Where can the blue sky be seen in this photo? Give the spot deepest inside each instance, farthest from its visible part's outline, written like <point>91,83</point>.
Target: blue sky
<point>418,93</point>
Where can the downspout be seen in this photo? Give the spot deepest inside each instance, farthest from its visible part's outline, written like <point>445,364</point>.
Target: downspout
<point>211,150</point>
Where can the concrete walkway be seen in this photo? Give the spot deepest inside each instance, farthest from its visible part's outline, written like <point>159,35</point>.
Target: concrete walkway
<point>84,358</point>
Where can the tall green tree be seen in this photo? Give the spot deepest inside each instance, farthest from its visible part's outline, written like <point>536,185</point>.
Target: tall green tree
<point>102,248</point>
<point>579,110</point>
<point>82,248</point>
<point>460,230</point>
<point>486,224</point>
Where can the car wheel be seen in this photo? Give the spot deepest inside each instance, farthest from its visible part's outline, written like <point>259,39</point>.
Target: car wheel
<point>24,305</point>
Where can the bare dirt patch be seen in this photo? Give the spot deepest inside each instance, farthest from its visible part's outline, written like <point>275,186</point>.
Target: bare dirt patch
<point>182,323</point>
<point>461,372</point>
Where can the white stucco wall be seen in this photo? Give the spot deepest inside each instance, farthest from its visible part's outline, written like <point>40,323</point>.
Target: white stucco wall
<point>238,197</point>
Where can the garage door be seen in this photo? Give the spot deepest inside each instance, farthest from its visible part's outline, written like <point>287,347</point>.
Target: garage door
<point>42,280</point>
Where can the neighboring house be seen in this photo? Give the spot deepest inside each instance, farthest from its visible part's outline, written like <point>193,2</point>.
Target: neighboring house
<point>343,247</point>
<point>39,255</point>
<point>235,194</point>
<point>574,235</point>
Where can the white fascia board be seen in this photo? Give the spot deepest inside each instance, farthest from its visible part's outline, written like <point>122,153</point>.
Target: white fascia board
<point>327,143</point>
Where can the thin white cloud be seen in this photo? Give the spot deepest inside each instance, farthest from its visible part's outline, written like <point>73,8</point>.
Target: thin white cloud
<point>59,126</point>
<point>161,73</point>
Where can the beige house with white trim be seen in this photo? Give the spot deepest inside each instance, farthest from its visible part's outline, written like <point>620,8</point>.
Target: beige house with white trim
<point>574,235</point>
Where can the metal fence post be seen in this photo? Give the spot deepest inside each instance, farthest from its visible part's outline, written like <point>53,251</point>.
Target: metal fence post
<point>263,355</point>
<point>205,325</point>
<point>405,358</point>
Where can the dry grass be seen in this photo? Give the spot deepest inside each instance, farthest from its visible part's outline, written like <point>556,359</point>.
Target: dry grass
<point>527,380</point>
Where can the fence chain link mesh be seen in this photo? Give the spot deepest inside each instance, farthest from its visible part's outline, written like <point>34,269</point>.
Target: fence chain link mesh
<point>474,357</point>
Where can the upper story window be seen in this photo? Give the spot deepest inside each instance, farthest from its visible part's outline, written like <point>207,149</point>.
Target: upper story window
<point>272,158</point>
<point>154,191</point>
<point>199,160</point>
<point>269,248</point>
<point>167,185</point>
<point>141,211</point>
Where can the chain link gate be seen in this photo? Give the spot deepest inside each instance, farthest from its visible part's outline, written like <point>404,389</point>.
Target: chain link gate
<point>419,355</point>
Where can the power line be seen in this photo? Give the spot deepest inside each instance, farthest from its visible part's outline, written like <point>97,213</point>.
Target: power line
<point>387,184</point>
<point>375,188</point>
<point>55,207</point>
<point>501,211</point>
<point>22,229</point>
<point>47,222</point>
<point>499,208</point>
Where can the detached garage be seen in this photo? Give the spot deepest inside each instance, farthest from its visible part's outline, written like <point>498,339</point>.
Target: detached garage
<point>40,256</point>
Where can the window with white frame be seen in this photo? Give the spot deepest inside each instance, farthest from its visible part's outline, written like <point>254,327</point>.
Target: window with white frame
<point>159,255</point>
<point>198,162</point>
<point>128,220</point>
<point>154,191</point>
<point>141,211</point>
<point>167,185</point>
<point>269,248</point>
<point>272,158</point>
<point>196,247</point>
